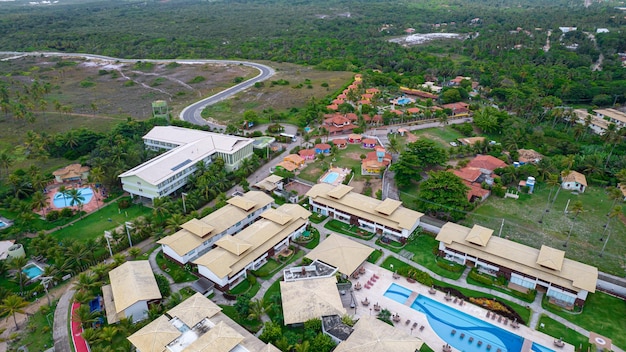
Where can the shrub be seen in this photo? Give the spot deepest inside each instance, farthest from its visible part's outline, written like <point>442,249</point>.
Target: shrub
<point>124,203</point>
<point>53,215</point>
<point>314,324</point>
<point>164,285</point>
<point>67,213</point>
<point>475,275</point>
<point>197,79</point>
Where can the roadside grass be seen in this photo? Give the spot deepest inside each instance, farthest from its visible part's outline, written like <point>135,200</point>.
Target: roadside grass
<point>106,218</point>
<point>349,158</point>
<point>557,330</point>
<point>602,313</point>
<point>441,135</point>
<point>530,298</point>
<point>521,224</point>
<point>177,272</point>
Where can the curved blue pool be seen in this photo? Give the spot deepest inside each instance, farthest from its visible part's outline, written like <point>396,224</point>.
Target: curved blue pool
<point>61,200</point>
<point>404,101</point>
<point>330,177</point>
<point>444,319</point>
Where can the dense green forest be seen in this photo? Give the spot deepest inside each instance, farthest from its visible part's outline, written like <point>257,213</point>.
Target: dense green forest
<point>504,50</point>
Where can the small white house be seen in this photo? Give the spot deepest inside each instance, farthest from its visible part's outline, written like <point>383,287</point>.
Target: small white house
<point>574,181</point>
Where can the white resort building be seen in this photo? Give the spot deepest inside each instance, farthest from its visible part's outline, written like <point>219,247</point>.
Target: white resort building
<point>565,281</point>
<point>198,236</point>
<point>387,217</point>
<point>227,264</point>
<point>185,148</point>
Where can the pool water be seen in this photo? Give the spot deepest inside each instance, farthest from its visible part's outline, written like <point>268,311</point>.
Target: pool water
<point>443,319</point>
<point>61,200</point>
<point>2,224</point>
<point>330,177</point>
<point>32,271</point>
<point>404,101</point>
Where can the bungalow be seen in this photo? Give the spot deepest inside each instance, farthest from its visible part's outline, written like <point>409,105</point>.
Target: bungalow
<point>322,148</point>
<point>269,184</point>
<point>418,93</point>
<point>342,253</point>
<point>295,159</point>
<point>133,288</point>
<point>369,143</point>
<point>372,90</point>
<point>375,161</point>
<point>458,109</point>
<point>566,282</point>
<point>458,79</point>
<point>196,324</point>
<point>371,334</point>
<point>388,217</point>
<point>574,181</point>
<point>337,123</point>
<point>397,112</point>
<point>303,300</point>
<point>338,101</point>
<point>375,120</point>
<point>72,172</point>
<point>354,138</point>
<point>197,236</point>
<point>340,143</point>
<point>228,263</point>
<point>413,111</point>
<point>287,166</point>
<point>367,96</point>
<point>307,154</point>
<point>472,178</point>
<point>333,107</point>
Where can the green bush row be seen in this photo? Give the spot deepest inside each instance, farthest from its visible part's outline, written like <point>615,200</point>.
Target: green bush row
<point>475,275</point>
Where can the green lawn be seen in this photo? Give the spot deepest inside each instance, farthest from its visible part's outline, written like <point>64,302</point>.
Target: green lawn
<point>94,224</point>
<point>423,249</point>
<point>347,229</point>
<point>38,333</point>
<point>373,258</point>
<point>521,225</point>
<point>250,325</point>
<point>558,330</point>
<point>245,287</point>
<point>530,298</point>
<point>349,158</point>
<point>178,273</point>
<point>602,313</point>
<point>443,135</point>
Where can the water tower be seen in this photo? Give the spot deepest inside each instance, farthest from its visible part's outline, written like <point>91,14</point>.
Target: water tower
<point>530,182</point>
<point>160,109</point>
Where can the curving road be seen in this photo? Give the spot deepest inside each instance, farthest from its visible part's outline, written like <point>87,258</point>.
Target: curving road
<point>192,112</point>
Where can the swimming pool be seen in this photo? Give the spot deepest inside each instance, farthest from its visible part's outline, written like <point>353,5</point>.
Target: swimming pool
<point>404,101</point>
<point>445,320</point>
<point>2,224</point>
<point>330,177</point>
<point>61,200</point>
<point>33,271</point>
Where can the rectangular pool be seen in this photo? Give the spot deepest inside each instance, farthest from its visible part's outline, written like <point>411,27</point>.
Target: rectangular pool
<point>33,271</point>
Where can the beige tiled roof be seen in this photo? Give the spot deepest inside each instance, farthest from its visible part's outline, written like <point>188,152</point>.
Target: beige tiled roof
<point>107,296</point>
<point>276,216</point>
<point>221,338</point>
<point>573,275</point>
<point>307,299</point>
<point>71,171</point>
<point>612,113</point>
<point>577,177</point>
<point>197,227</point>
<point>388,206</point>
<point>269,183</point>
<point>234,245</point>
<point>183,241</point>
<point>343,253</point>
<point>195,308</point>
<point>242,203</point>
<point>363,206</point>
<point>132,282</point>
<point>261,235</point>
<point>155,336</point>
<point>339,191</point>
<point>373,335</point>
<point>479,235</point>
<point>551,258</point>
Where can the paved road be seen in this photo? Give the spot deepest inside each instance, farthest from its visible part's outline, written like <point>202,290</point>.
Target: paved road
<point>192,112</point>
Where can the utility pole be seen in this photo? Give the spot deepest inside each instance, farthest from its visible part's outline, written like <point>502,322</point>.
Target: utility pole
<point>107,236</point>
<point>128,225</point>
<point>501,226</point>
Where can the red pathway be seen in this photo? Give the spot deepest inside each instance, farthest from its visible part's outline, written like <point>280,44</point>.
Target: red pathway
<point>80,345</point>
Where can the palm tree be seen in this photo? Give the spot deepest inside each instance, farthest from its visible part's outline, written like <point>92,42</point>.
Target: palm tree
<point>108,333</point>
<point>84,316</point>
<point>305,346</point>
<point>90,335</point>
<point>63,191</point>
<point>577,208</point>
<point>174,222</point>
<point>39,202</point>
<point>614,212</point>
<point>257,309</point>
<point>394,145</point>
<point>159,207</point>
<point>86,282</point>
<point>76,198</point>
<point>13,304</point>
<point>17,263</point>
<point>6,160</point>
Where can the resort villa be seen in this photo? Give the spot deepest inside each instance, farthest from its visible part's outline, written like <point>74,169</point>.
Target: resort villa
<point>342,253</point>
<point>227,264</point>
<point>307,299</point>
<point>132,290</point>
<point>388,217</point>
<point>600,119</point>
<point>197,236</point>
<point>70,173</point>
<point>566,282</point>
<point>196,324</point>
<point>185,148</point>
<point>375,161</point>
<point>574,181</point>
<point>371,334</point>
<point>270,183</point>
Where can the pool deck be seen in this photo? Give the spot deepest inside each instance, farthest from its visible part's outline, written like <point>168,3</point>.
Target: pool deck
<point>375,294</point>
<point>52,189</point>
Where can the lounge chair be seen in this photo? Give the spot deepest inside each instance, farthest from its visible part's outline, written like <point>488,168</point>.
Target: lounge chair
<point>422,328</point>
<point>452,332</point>
<point>499,319</point>
<point>488,347</point>
<point>407,322</point>
<point>462,335</point>
<point>506,321</point>
<point>488,314</point>
<point>414,325</point>
<point>455,300</point>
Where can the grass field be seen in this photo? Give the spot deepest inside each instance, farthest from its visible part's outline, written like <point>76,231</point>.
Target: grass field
<point>557,330</point>
<point>105,219</point>
<point>521,224</point>
<point>443,135</point>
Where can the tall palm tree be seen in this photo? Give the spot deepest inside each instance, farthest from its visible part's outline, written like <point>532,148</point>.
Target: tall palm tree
<point>40,201</point>
<point>577,208</point>
<point>174,222</point>
<point>12,305</point>
<point>63,191</point>
<point>108,333</point>
<point>257,309</point>
<point>86,282</point>
<point>17,263</point>
<point>76,198</point>
<point>614,212</point>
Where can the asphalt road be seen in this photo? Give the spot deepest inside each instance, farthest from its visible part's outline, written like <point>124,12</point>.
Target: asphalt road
<point>192,112</point>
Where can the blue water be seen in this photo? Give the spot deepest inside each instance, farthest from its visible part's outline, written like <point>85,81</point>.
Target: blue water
<point>61,200</point>
<point>307,129</point>
<point>443,319</point>
<point>398,293</point>
<point>331,177</point>
<point>32,271</point>
<point>2,224</point>
<point>404,101</point>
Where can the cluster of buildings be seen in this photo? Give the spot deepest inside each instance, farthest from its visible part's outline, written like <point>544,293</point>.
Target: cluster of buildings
<point>599,119</point>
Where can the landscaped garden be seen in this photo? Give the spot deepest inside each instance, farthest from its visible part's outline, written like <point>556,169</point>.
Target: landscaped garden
<point>557,330</point>
<point>347,229</point>
<point>499,284</point>
<point>349,158</point>
<point>178,273</point>
<point>273,266</point>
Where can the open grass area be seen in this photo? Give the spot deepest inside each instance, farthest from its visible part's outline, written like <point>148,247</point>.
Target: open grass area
<point>521,225</point>
<point>347,229</point>
<point>272,266</point>
<point>373,258</point>
<point>557,330</point>
<point>37,335</point>
<point>441,135</point>
<point>602,313</point>
<point>246,287</point>
<point>177,272</point>
<point>105,219</point>
<point>349,158</point>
